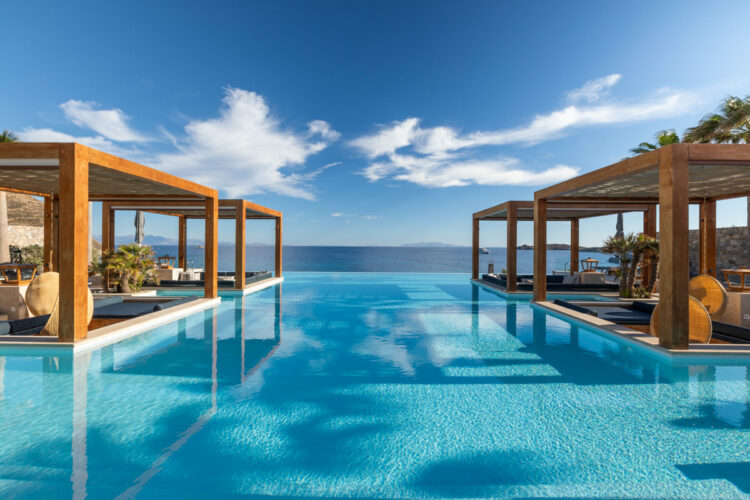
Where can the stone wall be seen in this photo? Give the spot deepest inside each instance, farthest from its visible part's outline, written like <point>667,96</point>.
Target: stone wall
<point>22,236</point>
<point>731,248</point>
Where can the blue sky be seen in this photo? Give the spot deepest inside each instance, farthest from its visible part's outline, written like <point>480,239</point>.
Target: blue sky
<point>371,122</point>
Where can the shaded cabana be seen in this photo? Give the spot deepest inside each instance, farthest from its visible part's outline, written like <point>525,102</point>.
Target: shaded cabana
<point>674,177</point>
<point>514,211</point>
<point>69,176</point>
<point>238,210</point>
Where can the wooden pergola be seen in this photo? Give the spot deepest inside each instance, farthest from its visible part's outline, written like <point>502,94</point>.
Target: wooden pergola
<point>674,177</point>
<point>514,211</point>
<point>238,210</point>
<point>69,176</point>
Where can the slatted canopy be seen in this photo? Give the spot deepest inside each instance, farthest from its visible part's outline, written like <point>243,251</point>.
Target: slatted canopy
<point>184,210</point>
<point>514,211</point>
<point>560,212</point>
<point>69,176</point>
<point>673,176</point>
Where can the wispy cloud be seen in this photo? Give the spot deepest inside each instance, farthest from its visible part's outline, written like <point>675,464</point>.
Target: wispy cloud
<point>243,151</point>
<point>440,156</point>
<point>355,216</point>
<point>593,90</point>
<point>110,123</point>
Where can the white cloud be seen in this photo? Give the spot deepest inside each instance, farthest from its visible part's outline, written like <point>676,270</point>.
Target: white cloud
<point>241,152</point>
<point>110,123</point>
<point>439,156</point>
<point>450,172</point>
<point>355,216</point>
<point>593,90</point>
<point>246,151</point>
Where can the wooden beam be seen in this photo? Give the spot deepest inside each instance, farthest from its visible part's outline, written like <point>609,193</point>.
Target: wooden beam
<point>30,150</point>
<point>111,162</point>
<point>707,238</point>
<point>574,246</point>
<point>55,262</point>
<point>474,248</point>
<point>182,243</point>
<point>540,250</point>
<point>649,229</point>
<point>674,319</point>
<point>211,248</point>
<point>74,205</point>
<point>279,248</point>
<point>620,169</point>
<point>710,153</point>
<point>106,227</point>
<point>239,245</point>
<point>48,234</point>
<point>511,244</point>
<point>107,238</point>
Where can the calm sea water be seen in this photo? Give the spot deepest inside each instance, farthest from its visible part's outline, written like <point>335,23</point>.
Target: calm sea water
<point>377,259</point>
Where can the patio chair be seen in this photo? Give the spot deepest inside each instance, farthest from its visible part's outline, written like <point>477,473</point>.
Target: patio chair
<point>710,293</point>
<point>42,299</point>
<point>700,327</point>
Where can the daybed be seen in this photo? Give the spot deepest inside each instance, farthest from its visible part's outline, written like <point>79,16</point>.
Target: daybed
<point>555,283</point>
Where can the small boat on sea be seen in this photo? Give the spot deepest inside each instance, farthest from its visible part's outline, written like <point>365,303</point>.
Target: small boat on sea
<point>199,247</point>
<point>484,250</point>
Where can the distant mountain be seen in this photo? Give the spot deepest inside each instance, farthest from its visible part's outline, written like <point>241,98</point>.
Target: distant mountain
<point>427,244</point>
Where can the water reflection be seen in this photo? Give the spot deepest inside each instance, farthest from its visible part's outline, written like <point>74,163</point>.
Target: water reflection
<point>562,345</point>
<point>116,410</point>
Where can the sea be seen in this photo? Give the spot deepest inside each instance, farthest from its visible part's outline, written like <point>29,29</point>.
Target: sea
<point>377,259</point>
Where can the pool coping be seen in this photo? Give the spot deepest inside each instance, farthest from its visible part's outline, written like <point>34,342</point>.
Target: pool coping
<point>111,334</point>
<point>644,340</point>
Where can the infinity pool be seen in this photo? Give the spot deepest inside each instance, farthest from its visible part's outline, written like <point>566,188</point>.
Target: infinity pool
<point>371,385</point>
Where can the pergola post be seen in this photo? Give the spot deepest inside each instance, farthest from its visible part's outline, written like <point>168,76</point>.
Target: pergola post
<point>707,238</point>
<point>649,229</point>
<point>55,260</point>
<point>182,242</point>
<point>106,227</point>
<point>474,248</point>
<point>540,249</point>
<point>48,230</point>
<point>511,244</point>
<point>278,247</point>
<point>574,246</point>
<point>239,245</point>
<point>107,219</point>
<point>673,224</point>
<point>73,259</point>
<point>211,248</point>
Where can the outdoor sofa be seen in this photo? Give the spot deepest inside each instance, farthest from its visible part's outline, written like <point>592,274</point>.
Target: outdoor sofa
<point>555,283</point>
<point>106,310</point>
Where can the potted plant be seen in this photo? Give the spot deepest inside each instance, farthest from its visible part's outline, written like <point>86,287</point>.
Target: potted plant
<point>129,267</point>
<point>631,250</point>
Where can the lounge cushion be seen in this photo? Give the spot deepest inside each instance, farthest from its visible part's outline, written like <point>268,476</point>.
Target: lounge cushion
<point>574,307</point>
<point>647,307</point>
<point>172,303</point>
<point>734,331</point>
<point>20,325</point>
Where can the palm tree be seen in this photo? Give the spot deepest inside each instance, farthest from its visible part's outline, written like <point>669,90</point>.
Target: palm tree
<point>5,136</point>
<point>663,138</point>
<point>131,265</point>
<point>730,124</point>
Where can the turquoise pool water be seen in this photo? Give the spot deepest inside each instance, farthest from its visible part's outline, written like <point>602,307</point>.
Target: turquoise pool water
<point>367,385</point>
